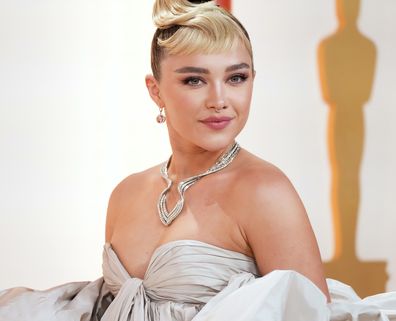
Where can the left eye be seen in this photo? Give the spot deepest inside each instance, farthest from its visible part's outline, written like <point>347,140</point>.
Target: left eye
<point>237,78</point>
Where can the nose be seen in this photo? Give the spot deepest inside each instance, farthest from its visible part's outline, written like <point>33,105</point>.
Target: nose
<point>216,98</point>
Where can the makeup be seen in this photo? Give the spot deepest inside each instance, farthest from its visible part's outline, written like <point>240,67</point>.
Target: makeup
<point>217,123</point>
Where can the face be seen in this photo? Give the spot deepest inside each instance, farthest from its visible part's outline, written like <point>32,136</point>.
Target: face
<point>206,97</point>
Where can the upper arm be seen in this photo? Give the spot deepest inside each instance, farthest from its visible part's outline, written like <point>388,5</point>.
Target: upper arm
<point>278,229</point>
<point>112,212</point>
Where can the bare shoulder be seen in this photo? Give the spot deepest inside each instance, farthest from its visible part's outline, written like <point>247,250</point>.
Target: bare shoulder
<point>275,222</point>
<point>266,197</point>
<point>262,182</point>
<point>120,198</point>
<point>133,183</point>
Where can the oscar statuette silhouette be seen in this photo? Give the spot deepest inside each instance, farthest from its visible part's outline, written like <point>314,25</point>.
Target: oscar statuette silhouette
<point>347,62</point>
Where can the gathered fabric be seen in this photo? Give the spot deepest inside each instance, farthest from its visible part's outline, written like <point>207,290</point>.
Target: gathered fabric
<point>189,280</point>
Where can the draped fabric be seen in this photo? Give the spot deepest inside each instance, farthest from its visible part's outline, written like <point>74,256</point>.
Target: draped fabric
<point>181,277</point>
<point>190,280</point>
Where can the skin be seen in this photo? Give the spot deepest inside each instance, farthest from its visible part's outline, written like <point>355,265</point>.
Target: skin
<point>249,207</point>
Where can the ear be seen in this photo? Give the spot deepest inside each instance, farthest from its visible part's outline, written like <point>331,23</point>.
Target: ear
<point>154,91</point>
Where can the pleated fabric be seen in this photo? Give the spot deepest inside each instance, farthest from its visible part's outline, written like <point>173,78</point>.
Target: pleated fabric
<point>189,280</point>
<point>181,277</point>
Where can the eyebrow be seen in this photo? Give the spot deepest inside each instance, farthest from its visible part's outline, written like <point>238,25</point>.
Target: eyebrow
<point>190,69</point>
<point>242,65</point>
<point>198,70</point>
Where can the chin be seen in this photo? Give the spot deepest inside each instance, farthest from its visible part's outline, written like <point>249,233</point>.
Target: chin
<point>214,144</point>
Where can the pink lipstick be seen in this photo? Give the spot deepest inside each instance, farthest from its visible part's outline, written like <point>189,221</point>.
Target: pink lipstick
<point>217,122</point>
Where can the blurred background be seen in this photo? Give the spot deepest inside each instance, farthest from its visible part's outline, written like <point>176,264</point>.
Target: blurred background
<point>75,119</point>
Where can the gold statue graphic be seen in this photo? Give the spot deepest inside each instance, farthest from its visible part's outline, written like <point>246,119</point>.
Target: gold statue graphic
<point>347,65</point>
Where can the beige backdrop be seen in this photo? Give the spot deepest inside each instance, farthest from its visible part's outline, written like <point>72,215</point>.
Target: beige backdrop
<point>75,119</point>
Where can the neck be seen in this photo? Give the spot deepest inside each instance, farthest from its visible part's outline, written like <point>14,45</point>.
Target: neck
<point>186,162</point>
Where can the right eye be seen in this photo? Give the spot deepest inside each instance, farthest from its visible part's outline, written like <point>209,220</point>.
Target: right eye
<point>193,81</point>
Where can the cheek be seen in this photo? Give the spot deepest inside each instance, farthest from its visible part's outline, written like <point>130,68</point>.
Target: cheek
<point>182,108</point>
<point>242,101</point>
<point>184,102</point>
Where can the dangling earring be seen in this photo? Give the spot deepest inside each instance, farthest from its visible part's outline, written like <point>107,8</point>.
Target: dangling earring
<point>161,117</point>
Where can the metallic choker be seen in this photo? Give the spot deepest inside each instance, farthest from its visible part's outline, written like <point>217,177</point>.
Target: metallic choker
<point>168,217</point>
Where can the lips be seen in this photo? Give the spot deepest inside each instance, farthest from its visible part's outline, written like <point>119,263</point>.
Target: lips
<point>217,122</point>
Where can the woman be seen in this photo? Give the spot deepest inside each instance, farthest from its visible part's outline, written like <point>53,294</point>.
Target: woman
<point>202,80</point>
<point>190,238</point>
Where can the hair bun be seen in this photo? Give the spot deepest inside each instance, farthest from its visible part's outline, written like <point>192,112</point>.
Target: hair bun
<point>167,13</point>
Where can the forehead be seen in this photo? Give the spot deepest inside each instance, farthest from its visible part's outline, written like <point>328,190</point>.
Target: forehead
<point>212,61</point>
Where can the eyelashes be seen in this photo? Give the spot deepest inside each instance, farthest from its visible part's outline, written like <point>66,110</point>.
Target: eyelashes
<point>234,79</point>
<point>238,78</point>
<point>192,81</point>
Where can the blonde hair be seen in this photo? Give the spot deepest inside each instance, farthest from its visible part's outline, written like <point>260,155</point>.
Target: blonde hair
<point>187,27</point>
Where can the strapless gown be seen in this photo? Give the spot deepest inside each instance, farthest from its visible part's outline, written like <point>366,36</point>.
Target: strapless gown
<point>192,280</point>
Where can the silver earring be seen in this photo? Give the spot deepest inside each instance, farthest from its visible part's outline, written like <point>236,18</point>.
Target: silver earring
<point>161,117</point>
